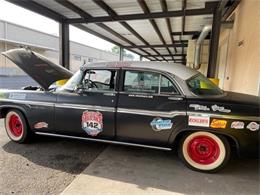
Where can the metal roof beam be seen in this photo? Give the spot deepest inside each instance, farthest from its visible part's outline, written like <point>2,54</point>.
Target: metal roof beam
<point>230,10</point>
<point>146,10</point>
<point>185,33</point>
<point>159,45</point>
<point>142,16</point>
<point>40,9</point>
<point>35,7</point>
<point>164,55</point>
<point>184,4</point>
<point>82,13</point>
<point>168,22</point>
<point>112,13</point>
<point>86,29</point>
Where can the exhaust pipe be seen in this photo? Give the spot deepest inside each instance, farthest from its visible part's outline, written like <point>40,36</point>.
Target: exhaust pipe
<point>205,31</point>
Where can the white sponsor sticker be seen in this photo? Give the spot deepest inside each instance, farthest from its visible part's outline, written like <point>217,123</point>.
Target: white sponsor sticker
<point>253,126</point>
<point>199,107</point>
<point>220,109</point>
<point>237,125</point>
<point>18,96</point>
<point>159,124</point>
<point>200,121</point>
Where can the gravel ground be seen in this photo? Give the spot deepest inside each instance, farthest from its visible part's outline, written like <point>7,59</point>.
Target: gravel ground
<point>46,166</point>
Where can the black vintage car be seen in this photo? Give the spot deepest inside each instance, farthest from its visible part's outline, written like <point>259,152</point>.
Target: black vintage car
<point>148,104</point>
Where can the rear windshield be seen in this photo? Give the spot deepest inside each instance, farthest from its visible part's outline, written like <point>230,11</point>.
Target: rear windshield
<point>200,85</point>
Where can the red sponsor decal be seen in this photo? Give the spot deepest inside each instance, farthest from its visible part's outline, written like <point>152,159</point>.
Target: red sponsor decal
<point>92,122</point>
<point>41,125</point>
<point>201,121</point>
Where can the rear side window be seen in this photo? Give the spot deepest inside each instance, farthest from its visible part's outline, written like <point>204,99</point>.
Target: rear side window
<point>148,82</point>
<point>167,87</point>
<point>143,82</point>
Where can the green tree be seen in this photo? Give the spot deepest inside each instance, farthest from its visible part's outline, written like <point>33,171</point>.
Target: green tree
<point>116,50</point>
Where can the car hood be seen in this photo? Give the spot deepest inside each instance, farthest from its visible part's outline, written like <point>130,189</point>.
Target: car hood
<point>42,70</point>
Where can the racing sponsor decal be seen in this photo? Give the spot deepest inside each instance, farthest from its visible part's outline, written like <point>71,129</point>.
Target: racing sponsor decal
<point>92,122</point>
<point>199,107</point>
<point>220,124</point>
<point>41,125</point>
<point>200,121</point>
<point>159,124</point>
<point>253,126</point>
<point>220,109</point>
<point>18,96</point>
<point>237,125</point>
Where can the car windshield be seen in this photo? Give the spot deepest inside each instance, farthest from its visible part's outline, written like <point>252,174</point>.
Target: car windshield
<point>200,85</point>
<point>72,82</point>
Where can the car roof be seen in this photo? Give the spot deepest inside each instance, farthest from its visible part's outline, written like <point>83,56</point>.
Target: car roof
<point>179,70</point>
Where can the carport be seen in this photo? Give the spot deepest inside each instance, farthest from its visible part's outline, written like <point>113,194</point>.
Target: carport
<point>157,30</point>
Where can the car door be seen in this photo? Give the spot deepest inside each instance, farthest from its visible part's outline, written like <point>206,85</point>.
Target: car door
<point>150,107</point>
<point>89,110</point>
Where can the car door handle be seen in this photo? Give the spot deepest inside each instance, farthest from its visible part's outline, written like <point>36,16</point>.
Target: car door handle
<point>175,98</point>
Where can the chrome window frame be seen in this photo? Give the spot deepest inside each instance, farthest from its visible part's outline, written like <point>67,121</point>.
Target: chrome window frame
<point>101,68</point>
<point>166,74</point>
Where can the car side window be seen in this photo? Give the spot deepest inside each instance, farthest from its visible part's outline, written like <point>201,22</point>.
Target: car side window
<point>148,82</point>
<point>99,80</point>
<point>142,82</point>
<point>167,87</point>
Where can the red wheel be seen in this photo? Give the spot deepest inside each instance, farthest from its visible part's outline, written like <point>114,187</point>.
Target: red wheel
<point>16,126</point>
<point>204,151</point>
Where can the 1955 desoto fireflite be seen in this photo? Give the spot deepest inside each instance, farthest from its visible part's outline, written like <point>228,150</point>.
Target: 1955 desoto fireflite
<point>148,104</point>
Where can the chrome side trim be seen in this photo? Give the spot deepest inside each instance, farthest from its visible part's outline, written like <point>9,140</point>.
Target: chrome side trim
<point>28,102</point>
<point>102,140</point>
<point>235,117</point>
<point>86,107</point>
<point>170,114</point>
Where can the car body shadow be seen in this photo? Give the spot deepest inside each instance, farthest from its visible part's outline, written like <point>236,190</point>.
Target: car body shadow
<point>67,155</point>
<point>146,168</point>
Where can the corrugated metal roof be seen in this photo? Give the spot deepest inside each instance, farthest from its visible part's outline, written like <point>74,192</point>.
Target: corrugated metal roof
<point>145,29</point>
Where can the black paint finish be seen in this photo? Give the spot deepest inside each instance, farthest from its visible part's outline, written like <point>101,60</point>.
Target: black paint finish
<point>63,111</point>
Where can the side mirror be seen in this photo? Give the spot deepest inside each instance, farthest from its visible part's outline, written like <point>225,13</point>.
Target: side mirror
<point>80,89</point>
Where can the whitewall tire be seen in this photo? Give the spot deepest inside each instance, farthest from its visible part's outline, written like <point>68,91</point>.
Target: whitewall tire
<point>16,126</point>
<point>204,151</point>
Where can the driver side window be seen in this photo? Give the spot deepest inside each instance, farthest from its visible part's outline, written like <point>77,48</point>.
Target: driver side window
<point>99,80</point>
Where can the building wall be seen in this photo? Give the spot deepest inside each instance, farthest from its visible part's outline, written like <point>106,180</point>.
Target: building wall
<point>239,50</point>
<point>14,36</point>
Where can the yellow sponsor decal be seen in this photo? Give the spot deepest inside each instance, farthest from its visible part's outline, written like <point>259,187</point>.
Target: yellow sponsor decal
<point>216,123</point>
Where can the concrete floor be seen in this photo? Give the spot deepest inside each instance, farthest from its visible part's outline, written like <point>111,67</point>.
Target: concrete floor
<point>52,166</point>
<point>45,166</point>
<point>126,170</point>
